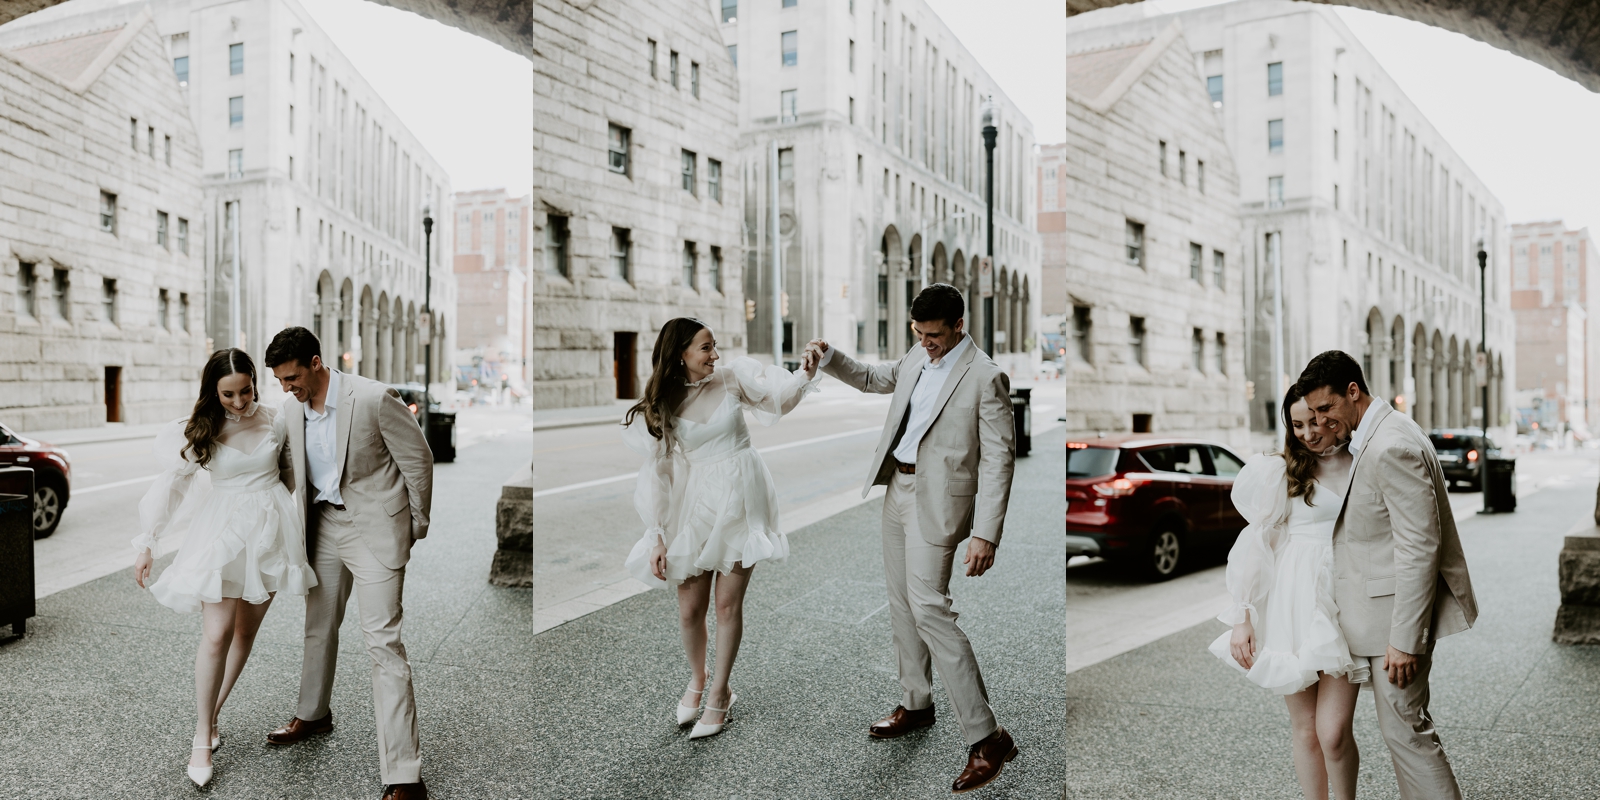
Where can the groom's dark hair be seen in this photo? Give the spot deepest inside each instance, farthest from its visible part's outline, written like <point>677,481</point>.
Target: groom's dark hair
<point>939,301</point>
<point>1334,369</point>
<point>293,344</point>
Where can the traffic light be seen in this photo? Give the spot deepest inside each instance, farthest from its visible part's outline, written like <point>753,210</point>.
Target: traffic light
<point>749,309</point>
<point>785,304</point>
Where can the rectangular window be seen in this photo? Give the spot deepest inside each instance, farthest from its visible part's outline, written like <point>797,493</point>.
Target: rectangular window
<point>163,307</point>
<point>25,289</point>
<point>1162,154</point>
<point>652,57</point>
<point>1214,87</point>
<point>1196,259</point>
<point>1275,79</point>
<point>1336,89</point>
<point>730,10</point>
<point>618,146</point>
<point>672,67</point>
<point>786,164</point>
<point>1345,252</point>
<point>1218,270</point>
<point>1080,333</point>
<point>1183,168</point>
<point>235,163</point>
<point>555,246</point>
<point>1135,237</point>
<point>689,265</point>
<point>291,119</point>
<point>297,226</point>
<point>1275,192</point>
<point>714,179</point>
<point>108,212</point>
<point>108,300</point>
<point>852,111</point>
<point>150,141</point>
<point>1335,144</point>
<point>733,55</point>
<point>1197,350</point>
<point>183,233</point>
<point>291,67</point>
<point>689,183</point>
<point>235,59</point>
<point>694,79</point>
<point>183,311</point>
<point>1136,340</point>
<point>861,170</point>
<point>133,134</point>
<point>1200,175</point>
<point>236,112</point>
<point>167,149</point>
<point>1274,136</point>
<point>1336,197</point>
<point>180,68</point>
<point>1219,356</point>
<point>715,274</point>
<point>852,56</point>
<point>161,229</point>
<point>621,253</point>
<point>787,105</point>
<point>790,45</point>
<point>789,3</point>
<point>291,168</point>
<point>61,287</point>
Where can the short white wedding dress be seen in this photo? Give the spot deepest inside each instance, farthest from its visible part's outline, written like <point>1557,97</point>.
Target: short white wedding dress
<point>245,534</point>
<point>1281,569</point>
<point>703,490</point>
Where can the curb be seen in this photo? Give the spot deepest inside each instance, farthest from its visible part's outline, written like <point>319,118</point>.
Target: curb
<point>575,423</point>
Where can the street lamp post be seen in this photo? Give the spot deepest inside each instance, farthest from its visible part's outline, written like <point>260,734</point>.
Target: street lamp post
<point>1483,328</point>
<point>989,133</point>
<point>427,308</point>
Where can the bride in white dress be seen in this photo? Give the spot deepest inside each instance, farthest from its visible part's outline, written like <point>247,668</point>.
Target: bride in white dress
<point>1286,635</point>
<point>245,542</point>
<point>708,503</point>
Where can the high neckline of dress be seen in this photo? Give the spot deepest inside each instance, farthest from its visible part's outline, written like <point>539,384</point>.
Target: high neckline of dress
<point>1331,452</point>
<point>701,382</point>
<point>249,412</point>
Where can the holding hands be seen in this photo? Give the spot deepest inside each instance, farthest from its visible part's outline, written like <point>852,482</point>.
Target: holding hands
<point>811,359</point>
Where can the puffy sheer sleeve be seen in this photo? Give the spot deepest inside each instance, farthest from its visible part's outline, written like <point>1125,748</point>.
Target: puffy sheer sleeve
<point>656,489</point>
<point>1261,495</point>
<point>769,392</point>
<point>170,501</point>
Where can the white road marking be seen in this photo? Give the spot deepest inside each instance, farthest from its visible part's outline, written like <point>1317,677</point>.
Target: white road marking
<point>114,485</point>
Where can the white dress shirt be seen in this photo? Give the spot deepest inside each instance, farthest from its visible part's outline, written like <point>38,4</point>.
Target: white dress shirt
<point>1369,421</point>
<point>921,414</point>
<point>322,446</point>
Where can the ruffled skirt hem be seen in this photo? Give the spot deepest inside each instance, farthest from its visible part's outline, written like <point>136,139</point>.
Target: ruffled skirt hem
<point>727,518</point>
<point>247,545</point>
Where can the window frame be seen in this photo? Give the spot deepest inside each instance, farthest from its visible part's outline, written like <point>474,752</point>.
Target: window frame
<point>619,137</point>
<point>621,254</point>
<point>1134,241</point>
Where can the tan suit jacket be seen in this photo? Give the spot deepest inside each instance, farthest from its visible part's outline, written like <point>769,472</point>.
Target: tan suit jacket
<point>1400,576</point>
<point>965,460</point>
<point>387,468</point>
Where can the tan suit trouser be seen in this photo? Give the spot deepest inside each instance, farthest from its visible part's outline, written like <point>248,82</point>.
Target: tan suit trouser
<point>1420,764</point>
<point>924,625</point>
<point>343,560</point>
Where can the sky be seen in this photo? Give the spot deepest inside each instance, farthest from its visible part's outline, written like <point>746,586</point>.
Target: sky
<point>1528,133</point>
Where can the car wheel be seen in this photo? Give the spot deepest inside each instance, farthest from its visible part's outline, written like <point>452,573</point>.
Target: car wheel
<point>1163,553</point>
<point>46,510</point>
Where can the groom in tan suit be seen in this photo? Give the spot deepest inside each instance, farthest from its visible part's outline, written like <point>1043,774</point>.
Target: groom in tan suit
<point>946,454</point>
<point>364,472</point>
<point>1400,576</point>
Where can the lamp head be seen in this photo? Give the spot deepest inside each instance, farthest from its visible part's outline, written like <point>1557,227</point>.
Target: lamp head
<point>988,111</point>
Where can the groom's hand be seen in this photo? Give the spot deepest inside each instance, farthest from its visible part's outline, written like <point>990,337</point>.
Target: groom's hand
<point>1402,667</point>
<point>980,556</point>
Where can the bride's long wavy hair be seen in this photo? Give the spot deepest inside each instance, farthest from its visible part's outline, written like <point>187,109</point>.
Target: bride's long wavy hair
<point>205,423</point>
<point>1300,462</point>
<point>668,377</point>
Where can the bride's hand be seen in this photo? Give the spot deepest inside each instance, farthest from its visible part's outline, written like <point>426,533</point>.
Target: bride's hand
<point>141,567</point>
<point>658,561</point>
<point>1243,644</point>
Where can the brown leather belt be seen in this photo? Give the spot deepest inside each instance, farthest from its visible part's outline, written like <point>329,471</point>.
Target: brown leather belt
<point>903,468</point>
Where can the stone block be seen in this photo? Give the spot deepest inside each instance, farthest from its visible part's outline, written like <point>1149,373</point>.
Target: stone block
<point>1578,571</point>
<point>513,558</point>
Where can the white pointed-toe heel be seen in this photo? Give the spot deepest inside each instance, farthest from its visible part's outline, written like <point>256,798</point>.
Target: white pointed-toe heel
<point>685,713</point>
<point>200,775</point>
<point>704,729</point>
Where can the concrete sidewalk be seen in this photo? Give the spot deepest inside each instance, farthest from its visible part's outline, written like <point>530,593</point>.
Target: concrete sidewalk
<point>1518,714</point>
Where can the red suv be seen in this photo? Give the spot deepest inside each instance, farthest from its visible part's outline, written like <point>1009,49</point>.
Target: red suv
<point>1150,501</point>
<point>52,477</point>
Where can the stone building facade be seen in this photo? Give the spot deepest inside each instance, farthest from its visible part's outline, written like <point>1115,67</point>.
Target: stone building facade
<point>102,231</point>
<point>636,209</point>
<point>491,255</point>
<point>875,111</point>
<point>314,178</point>
<point>1146,217</point>
<point>1350,194</point>
<point>1555,285</point>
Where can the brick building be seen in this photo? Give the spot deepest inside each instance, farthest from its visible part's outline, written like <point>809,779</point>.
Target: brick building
<point>1144,214</point>
<point>1555,285</point>
<point>1052,227</point>
<point>491,255</point>
<point>102,231</point>
<point>635,118</point>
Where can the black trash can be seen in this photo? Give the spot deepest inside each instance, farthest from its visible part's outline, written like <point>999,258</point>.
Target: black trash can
<point>1499,485</point>
<point>1022,412</point>
<point>442,435</point>
<point>16,548</point>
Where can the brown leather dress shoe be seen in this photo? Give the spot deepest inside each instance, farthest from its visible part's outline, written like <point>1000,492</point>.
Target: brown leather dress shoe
<point>901,722</point>
<point>985,761</point>
<point>299,730</point>
<point>405,791</point>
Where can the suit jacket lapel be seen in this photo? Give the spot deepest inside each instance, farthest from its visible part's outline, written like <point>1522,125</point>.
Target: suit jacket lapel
<point>297,445</point>
<point>957,370</point>
<point>341,434</point>
<point>1382,413</point>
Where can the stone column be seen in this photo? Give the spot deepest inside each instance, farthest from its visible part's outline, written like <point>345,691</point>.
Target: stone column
<point>369,344</point>
<point>1378,381</point>
<point>1578,575</point>
<point>1421,410</point>
<point>513,528</point>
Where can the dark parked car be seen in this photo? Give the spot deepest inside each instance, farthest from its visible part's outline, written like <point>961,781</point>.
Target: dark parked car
<point>1150,501</point>
<point>412,394</point>
<point>52,477</point>
<point>1462,452</point>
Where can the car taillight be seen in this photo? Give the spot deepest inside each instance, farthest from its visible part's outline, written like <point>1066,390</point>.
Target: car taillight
<point>1120,487</point>
<point>1472,455</point>
<point>413,408</point>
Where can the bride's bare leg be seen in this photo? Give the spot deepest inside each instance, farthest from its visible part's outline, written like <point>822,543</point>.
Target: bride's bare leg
<point>1336,707</point>
<point>1308,765</point>
<point>694,599</point>
<point>246,622</point>
<point>730,630</point>
<point>217,622</point>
